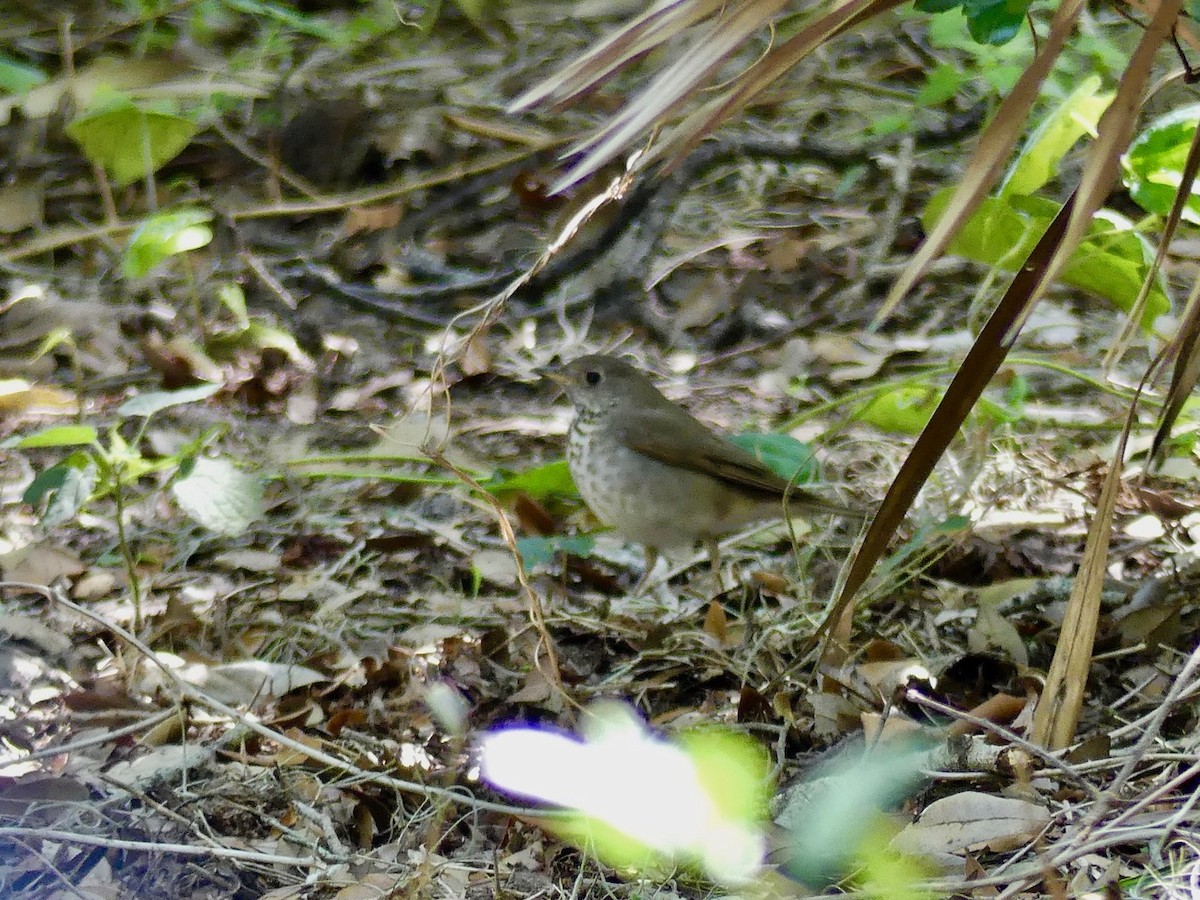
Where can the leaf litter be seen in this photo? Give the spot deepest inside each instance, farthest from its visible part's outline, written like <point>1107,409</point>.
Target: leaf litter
<point>295,716</point>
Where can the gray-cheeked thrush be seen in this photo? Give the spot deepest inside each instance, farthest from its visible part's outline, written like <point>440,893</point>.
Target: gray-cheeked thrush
<point>657,475</point>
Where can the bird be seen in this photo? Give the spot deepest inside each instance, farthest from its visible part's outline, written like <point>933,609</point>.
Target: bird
<point>656,474</point>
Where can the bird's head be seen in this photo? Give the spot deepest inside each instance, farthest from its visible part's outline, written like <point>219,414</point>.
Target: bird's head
<point>599,383</point>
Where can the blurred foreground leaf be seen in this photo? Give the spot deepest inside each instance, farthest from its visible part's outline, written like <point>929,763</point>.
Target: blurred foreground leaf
<point>642,802</point>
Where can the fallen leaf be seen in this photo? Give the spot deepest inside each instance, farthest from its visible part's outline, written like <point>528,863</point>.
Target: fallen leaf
<point>971,820</point>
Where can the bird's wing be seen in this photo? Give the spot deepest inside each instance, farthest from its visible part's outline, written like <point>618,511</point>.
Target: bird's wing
<point>687,443</point>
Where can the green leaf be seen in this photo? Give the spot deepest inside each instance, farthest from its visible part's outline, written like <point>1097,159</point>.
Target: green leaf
<point>995,22</point>
<point>781,453</point>
<point>538,551</point>
<point>162,236</point>
<point>993,412</point>
<point>146,405</point>
<point>941,84</point>
<point>55,436</point>
<point>891,124</point>
<point>1152,169</point>
<point>219,495</point>
<point>17,77</point>
<point>55,337</point>
<point>905,409</point>
<point>473,9</point>
<point>69,485</point>
<point>1040,158</point>
<point>234,299</point>
<point>553,479</point>
<point>992,22</point>
<point>130,141</point>
<point>290,18</point>
<point>422,14</point>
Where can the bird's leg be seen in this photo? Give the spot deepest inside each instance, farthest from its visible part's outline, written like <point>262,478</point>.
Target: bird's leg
<point>647,572</point>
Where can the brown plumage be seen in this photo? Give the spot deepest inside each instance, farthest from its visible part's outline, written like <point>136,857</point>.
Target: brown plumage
<point>657,475</point>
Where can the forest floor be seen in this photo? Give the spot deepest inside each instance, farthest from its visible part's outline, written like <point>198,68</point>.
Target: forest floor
<point>254,631</point>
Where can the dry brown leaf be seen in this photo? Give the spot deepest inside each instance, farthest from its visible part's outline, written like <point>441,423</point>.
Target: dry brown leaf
<point>668,90</point>
<point>162,762</point>
<point>716,623</point>
<point>248,681</point>
<point>536,689</point>
<point>971,820</point>
<point>361,219</point>
<point>40,564</point>
<point>19,396</point>
<point>498,567</point>
<point>991,632</point>
<point>49,641</point>
<point>20,206</point>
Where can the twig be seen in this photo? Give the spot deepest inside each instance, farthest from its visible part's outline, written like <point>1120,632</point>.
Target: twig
<point>93,840</point>
<point>1011,736</point>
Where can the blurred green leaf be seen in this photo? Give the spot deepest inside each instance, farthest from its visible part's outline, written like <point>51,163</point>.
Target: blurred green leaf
<point>162,236</point>
<point>475,10</point>
<point>233,298</point>
<point>130,141</point>
<point>942,82</point>
<point>282,13</point>
<point>1152,169</point>
<point>891,124</point>
<point>218,495</point>
<point>422,14</point>
<point>17,77</point>
<point>642,801</point>
<point>781,453</point>
<point>55,436</point>
<point>995,412</point>
<point>830,821</point>
<point>146,405</point>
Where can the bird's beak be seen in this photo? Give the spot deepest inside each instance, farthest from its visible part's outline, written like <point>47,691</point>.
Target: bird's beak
<point>553,375</point>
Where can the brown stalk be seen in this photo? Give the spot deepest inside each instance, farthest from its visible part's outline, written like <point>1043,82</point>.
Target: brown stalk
<point>977,369</point>
<point>1057,712</point>
<point>1170,226</point>
<point>1044,263</point>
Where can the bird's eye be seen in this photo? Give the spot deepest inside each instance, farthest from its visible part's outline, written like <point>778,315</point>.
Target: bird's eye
<point>592,377</point>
